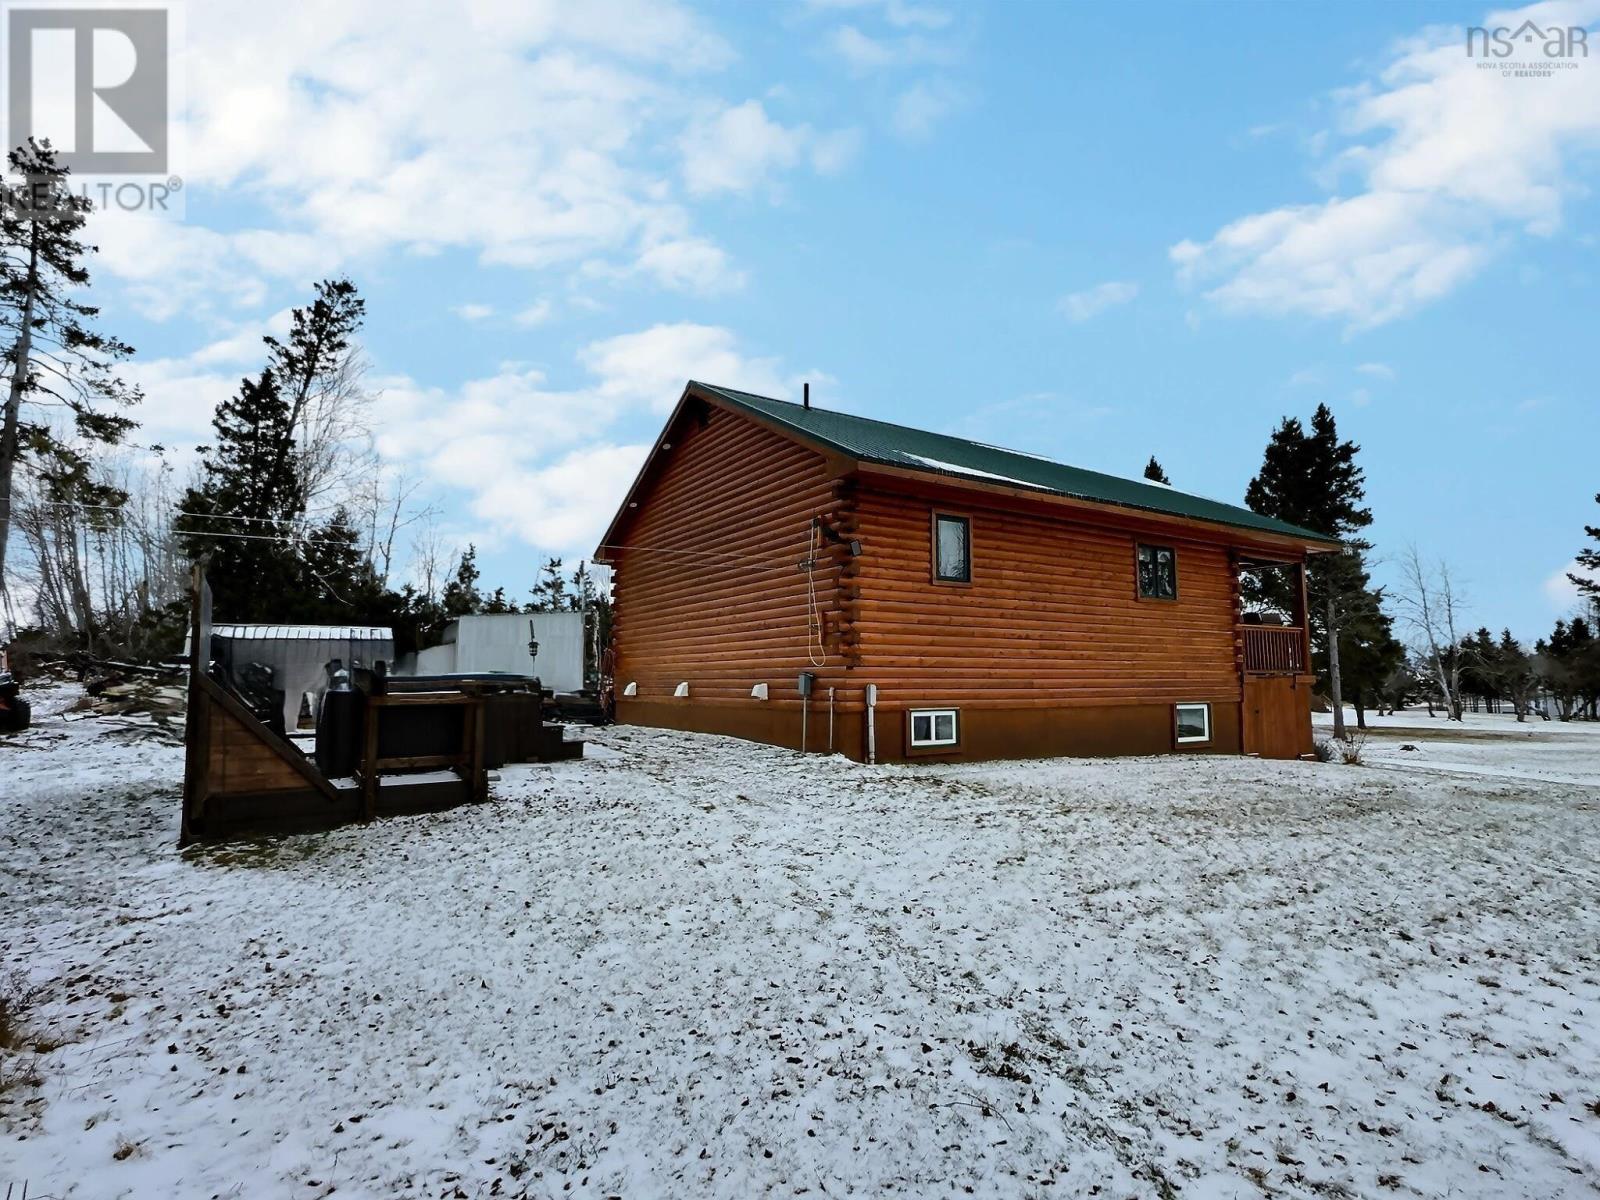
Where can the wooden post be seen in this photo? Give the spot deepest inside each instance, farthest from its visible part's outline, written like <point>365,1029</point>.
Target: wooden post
<point>197,713</point>
<point>369,761</point>
<point>476,715</point>
<point>1302,618</point>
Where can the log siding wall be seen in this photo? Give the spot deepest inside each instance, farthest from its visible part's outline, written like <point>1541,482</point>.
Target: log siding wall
<point>708,589</point>
<point>1052,616</point>
<point>1048,650</point>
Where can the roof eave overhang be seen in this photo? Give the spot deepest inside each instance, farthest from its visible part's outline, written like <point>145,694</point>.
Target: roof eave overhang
<point>1260,540</point>
<point>693,391</point>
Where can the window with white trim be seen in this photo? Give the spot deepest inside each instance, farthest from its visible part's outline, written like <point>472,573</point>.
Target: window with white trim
<point>934,727</point>
<point>1194,723</point>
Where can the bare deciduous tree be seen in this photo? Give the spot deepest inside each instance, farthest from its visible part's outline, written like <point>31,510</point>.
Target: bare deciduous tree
<point>1431,607</point>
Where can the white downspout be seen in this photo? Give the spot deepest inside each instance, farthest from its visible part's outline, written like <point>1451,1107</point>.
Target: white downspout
<point>872,722</point>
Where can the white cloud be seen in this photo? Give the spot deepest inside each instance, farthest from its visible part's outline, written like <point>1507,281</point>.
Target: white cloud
<point>563,505</point>
<point>526,133</point>
<point>740,148</point>
<point>1452,162</point>
<point>865,53</point>
<point>898,13</point>
<point>473,312</point>
<point>691,264</point>
<point>542,464</point>
<point>649,368</point>
<point>1377,370</point>
<point>1560,591</point>
<point>1081,306</point>
<point>860,51</point>
<point>921,107</point>
<point>182,393</point>
<point>535,314</point>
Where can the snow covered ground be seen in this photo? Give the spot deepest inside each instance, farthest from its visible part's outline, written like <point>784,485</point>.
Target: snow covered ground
<point>690,966</point>
<point>1485,745</point>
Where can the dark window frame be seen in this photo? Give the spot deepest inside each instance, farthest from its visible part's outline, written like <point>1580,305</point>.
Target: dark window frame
<point>1138,575</point>
<point>933,548</point>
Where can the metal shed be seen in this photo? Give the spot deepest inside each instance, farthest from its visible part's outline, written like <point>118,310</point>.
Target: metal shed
<point>297,654</point>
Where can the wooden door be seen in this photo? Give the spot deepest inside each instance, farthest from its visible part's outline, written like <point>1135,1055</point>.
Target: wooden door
<point>1277,716</point>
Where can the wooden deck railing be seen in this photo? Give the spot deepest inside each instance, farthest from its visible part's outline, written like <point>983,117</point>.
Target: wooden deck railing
<point>1273,649</point>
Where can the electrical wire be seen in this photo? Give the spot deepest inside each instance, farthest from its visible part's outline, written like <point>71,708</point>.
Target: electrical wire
<point>814,632</point>
<point>215,516</point>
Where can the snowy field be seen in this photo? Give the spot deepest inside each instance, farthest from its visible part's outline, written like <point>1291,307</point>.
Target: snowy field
<point>695,967</point>
<point>1484,745</point>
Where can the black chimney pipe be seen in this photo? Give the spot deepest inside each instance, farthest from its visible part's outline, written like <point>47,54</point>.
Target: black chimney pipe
<point>806,395</point>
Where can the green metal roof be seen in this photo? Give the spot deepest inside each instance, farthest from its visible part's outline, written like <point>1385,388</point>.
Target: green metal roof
<point>939,454</point>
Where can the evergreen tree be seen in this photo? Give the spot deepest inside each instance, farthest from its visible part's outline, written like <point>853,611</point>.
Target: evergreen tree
<point>499,602</point>
<point>1589,560</point>
<point>244,515</point>
<point>1515,679</point>
<point>310,365</point>
<point>248,515</point>
<point>1154,473</point>
<point>1480,668</point>
<point>1370,656</point>
<point>338,580</point>
<point>549,594</point>
<point>53,354</point>
<point>461,595</point>
<point>1311,479</point>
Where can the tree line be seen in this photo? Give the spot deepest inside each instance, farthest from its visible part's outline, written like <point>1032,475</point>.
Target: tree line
<point>298,520</point>
<point>288,505</point>
<point>1388,649</point>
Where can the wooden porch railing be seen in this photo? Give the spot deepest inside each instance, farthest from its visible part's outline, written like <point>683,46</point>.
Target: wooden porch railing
<point>1273,649</point>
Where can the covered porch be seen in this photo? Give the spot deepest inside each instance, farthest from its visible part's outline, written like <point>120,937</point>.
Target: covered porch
<point>1272,647</point>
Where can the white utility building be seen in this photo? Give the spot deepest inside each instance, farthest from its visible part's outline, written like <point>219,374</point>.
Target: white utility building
<point>499,642</point>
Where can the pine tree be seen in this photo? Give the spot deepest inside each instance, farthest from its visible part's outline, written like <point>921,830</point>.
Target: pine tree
<point>338,580</point>
<point>549,594</point>
<point>53,354</point>
<point>312,366</point>
<point>244,515</point>
<point>1589,560</point>
<point>1370,656</point>
<point>461,595</point>
<point>1154,473</point>
<point>268,559</point>
<point>1312,480</point>
<point>1514,674</point>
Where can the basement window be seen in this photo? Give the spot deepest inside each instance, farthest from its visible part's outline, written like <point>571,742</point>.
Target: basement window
<point>1158,573</point>
<point>934,727</point>
<point>952,549</point>
<point>1194,723</point>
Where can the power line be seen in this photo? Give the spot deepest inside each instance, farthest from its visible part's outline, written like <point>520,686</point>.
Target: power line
<point>123,508</point>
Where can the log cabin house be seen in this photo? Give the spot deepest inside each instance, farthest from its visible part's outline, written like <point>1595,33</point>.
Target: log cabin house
<point>824,581</point>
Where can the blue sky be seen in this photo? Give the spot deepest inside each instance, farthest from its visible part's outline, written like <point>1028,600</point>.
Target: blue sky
<point>1092,232</point>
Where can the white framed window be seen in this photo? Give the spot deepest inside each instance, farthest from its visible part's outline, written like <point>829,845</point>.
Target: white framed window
<point>935,727</point>
<point>1194,723</point>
